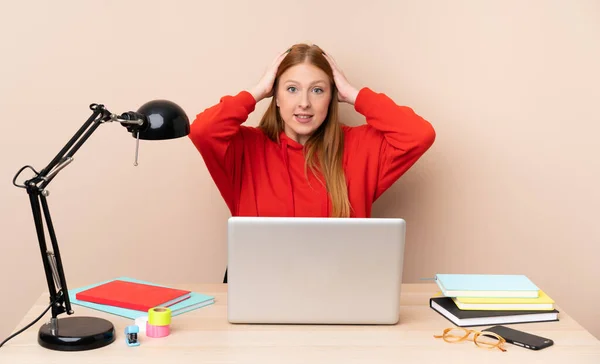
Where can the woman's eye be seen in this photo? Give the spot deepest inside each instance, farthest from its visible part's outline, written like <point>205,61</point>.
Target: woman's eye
<point>291,89</point>
<point>318,90</point>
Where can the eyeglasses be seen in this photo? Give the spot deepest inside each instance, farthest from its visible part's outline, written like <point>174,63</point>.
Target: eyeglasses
<point>485,339</point>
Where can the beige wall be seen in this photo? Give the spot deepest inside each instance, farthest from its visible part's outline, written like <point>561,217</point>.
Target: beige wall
<point>510,186</point>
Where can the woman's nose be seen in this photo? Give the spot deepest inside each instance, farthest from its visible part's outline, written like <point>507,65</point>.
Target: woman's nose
<point>305,101</point>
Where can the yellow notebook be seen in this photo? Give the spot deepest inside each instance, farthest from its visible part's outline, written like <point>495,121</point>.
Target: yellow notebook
<point>542,303</point>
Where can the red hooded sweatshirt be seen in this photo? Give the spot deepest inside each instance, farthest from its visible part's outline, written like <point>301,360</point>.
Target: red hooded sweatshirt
<point>259,177</point>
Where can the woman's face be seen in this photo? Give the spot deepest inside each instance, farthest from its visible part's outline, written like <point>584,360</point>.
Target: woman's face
<point>302,97</point>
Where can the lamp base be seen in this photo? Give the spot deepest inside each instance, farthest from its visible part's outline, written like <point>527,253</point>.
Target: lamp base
<point>76,334</point>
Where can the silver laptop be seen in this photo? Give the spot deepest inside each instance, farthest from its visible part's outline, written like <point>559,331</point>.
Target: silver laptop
<point>314,270</point>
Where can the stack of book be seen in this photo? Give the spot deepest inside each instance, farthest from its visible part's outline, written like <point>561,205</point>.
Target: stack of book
<point>132,298</point>
<point>488,299</point>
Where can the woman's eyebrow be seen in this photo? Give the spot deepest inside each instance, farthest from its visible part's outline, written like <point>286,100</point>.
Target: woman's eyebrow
<point>312,83</point>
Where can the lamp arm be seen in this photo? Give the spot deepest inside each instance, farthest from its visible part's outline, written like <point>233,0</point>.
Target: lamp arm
<point>36,189</point>
<point>100,115</point>
<point>97,110</point>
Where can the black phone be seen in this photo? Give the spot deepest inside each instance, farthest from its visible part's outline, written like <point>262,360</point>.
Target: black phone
<point>521,338</point>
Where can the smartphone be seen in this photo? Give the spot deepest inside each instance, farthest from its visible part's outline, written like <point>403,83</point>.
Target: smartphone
<point>521,338</point>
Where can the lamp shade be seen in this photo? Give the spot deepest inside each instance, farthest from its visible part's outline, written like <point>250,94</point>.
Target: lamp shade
<point>163,119</point>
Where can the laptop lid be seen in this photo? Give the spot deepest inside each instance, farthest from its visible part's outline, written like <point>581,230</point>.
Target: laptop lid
<point>314,270</point>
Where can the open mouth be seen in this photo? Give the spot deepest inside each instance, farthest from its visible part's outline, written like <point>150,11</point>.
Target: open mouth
<point>303,118</point>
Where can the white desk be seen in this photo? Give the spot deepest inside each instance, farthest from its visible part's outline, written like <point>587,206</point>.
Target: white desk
<point>205,336</point>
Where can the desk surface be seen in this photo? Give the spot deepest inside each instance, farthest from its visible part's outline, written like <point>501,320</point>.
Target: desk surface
<point>205,336</point>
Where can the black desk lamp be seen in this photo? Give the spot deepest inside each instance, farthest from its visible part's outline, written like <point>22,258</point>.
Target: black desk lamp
<point>155,120</point>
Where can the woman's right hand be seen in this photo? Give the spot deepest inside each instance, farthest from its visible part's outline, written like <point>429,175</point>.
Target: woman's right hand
<point>264,87</point>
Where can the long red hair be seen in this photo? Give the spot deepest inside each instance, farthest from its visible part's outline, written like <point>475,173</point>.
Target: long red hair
<point>324,148</point>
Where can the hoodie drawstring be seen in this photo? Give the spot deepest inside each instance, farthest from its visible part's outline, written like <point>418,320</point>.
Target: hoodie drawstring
<point>284,151</point>
<point>326,205</point>
<point>324,195</point>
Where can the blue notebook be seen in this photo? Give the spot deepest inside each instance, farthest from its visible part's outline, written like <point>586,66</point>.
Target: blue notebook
<point>196,301</point>
<point>486,285</point>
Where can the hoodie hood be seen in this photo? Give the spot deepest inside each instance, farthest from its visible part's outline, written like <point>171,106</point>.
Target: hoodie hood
<point>289,142</point>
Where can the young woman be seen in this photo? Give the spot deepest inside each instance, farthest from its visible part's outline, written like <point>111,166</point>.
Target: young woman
<point>300,160</point>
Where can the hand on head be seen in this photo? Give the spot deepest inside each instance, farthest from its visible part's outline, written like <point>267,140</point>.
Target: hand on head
<point>346,92</point>
<point>264,87</point>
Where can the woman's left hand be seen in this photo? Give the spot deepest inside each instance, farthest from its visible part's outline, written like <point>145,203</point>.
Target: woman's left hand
<point>346,92</point>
